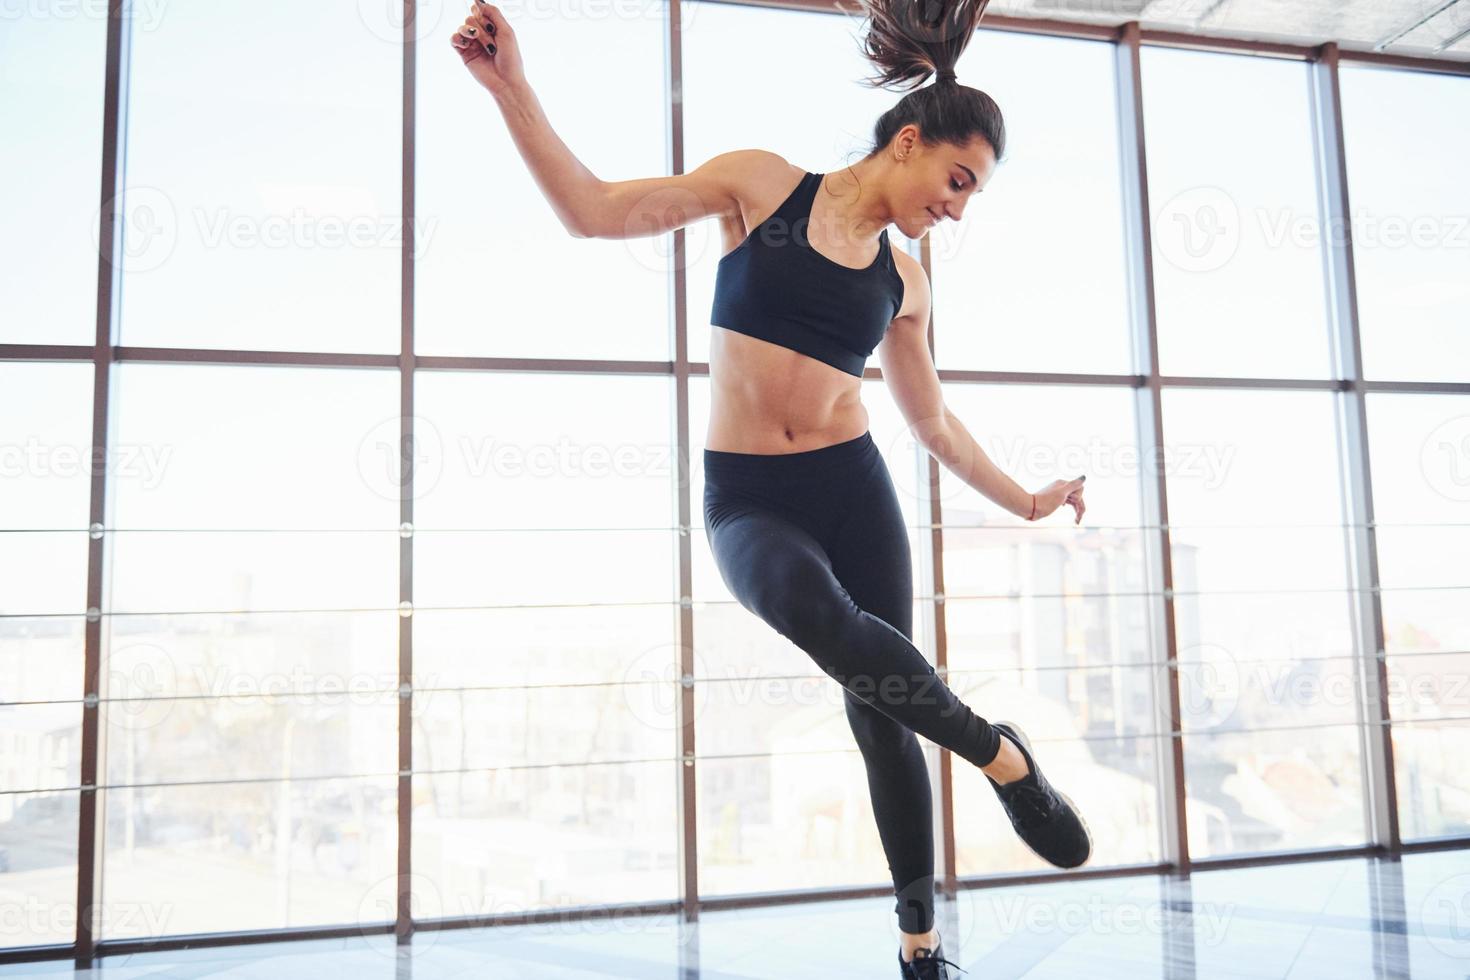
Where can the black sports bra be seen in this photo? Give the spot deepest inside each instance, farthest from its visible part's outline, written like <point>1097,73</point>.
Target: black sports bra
<point>800,299</point>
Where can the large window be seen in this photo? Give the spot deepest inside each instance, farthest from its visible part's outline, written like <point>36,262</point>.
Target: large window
<point>1033,277</point>
<point>45,440</point>
<point>1420,451</point>
<point>1262,621</point>
<point>264,579</point>
<point>496,272</point>
<point>1047,622</point>
<point>263,205</point>
<point>1238,274</point>
<point>1410,220</point>
<point>544,655</point>
<point>50,161</point>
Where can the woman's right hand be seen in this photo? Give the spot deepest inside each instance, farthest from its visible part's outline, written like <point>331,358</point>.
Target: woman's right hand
<point>487,46</point>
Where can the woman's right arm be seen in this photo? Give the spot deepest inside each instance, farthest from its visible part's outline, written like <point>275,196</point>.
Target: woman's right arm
<point>586,206</point>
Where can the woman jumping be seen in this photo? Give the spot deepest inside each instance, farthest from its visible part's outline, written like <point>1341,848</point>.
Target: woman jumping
<point>800,511</point>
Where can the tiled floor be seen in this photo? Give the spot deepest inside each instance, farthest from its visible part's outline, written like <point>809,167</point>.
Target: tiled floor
<point>1334,919</point>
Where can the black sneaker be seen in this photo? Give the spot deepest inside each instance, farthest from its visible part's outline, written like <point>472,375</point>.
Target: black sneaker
<point>927,964</point>
<point>1044,817</point>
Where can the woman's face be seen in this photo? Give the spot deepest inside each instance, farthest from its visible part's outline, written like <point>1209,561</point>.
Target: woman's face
<point>938,182</point>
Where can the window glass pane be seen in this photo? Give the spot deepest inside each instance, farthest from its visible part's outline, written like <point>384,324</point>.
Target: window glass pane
<point>38,867</point>
<point>1037,434</point>
<point>497,273</point>
<point>52,61</point>
<point>46,471</point>
<point>517,840</point>
<point>559,644</point>
<point>306,736</point>
<point>340,654</point>
<point>819,58</point>
<point>537,726</point>
<point>1238,273</point>
<point>1049,630</point>
<point>40,660</point>
<point>1411,220</point>
<point>1251,474</point>
<point>543,451</point>
<point>269,506</point>
<point>1052,214</point>
<point>1428,767</point>
<point>1419,450</point>
<point>1251,792</point>
<point>46,445</point>
<point>264,208</point>
<point>227,447</point>
<point>279,854</point>
<point>786,821</point>
<point>1263,621</point>
<point>543,489</point>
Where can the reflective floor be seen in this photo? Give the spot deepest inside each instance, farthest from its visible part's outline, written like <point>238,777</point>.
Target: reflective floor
<point>1339,919</point>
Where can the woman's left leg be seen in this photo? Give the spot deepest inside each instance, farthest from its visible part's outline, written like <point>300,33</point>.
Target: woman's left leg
<point>871,558</point>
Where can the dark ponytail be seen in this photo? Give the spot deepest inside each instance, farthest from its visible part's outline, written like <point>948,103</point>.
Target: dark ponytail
<point>909,40</point>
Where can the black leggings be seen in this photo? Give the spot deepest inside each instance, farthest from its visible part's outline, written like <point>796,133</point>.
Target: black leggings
<point>814,544</point>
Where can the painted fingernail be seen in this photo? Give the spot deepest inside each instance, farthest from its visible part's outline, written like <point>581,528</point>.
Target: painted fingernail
<point>490,48</point>
<point>471,32</point>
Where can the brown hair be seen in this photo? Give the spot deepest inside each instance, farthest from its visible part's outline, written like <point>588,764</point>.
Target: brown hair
<point>908,40</point>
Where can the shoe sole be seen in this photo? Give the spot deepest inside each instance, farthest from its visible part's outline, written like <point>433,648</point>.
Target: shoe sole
<point>1020,734</point>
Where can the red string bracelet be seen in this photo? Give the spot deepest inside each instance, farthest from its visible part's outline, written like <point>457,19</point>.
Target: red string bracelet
<point>1033,508</point>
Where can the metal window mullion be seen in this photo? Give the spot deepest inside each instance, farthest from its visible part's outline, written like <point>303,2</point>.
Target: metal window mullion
<point>1380,798</point>
<point>1149,413</point>
<point>403,924</point>
<point>931,512</point>
<point>110,230</point>
<point>688,828</point>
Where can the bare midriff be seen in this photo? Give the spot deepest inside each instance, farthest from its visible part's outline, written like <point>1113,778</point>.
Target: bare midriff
<point>765,398</point>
